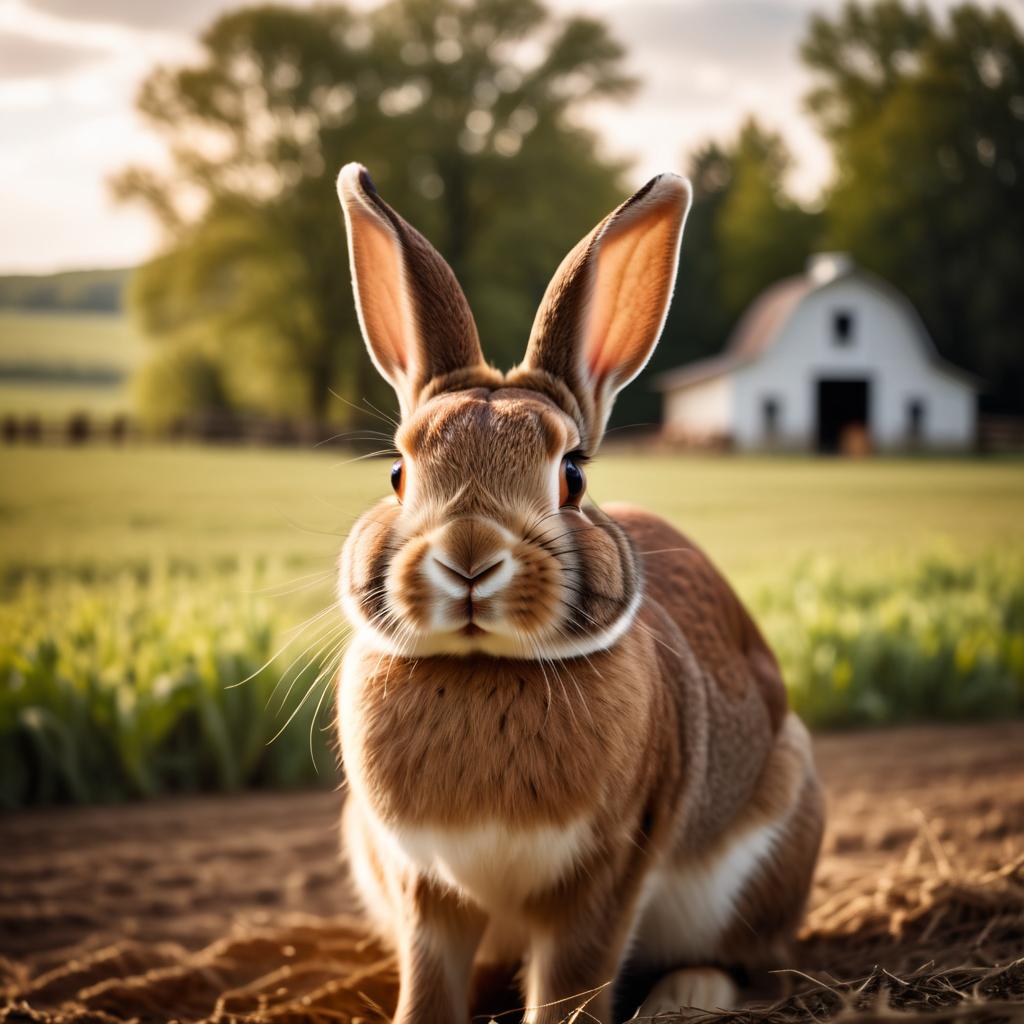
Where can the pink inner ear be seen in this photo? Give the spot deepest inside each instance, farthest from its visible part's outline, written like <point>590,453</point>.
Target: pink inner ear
<point>632,281</point>
<point>378,277</point>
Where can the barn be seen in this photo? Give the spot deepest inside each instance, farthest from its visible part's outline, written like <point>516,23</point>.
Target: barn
<point>833,360</point>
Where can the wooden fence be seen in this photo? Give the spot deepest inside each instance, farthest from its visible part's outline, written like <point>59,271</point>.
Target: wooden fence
<point>211,428</point>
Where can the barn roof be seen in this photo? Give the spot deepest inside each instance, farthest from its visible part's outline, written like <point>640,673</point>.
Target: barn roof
<point>760,326</point>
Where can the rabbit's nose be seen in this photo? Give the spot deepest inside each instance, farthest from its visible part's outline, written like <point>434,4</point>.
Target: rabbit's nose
<point>471,576</point>
<point>470,545</point>
<point>472,555</point>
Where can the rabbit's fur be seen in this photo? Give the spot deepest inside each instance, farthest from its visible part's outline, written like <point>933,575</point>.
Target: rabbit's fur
<point>565,740</point>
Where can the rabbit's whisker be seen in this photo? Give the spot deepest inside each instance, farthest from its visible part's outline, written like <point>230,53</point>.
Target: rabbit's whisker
<point>295,524</point>
<point>391,450</point>
<point>305,697</point>
<point>296,585</point>
<point>356,435</point>
<point>534,651</point>
<point>667,551</point>
<point>542,659</point>
<point>334,663</point>
<point>373,409</point>
<point>291,634</point>
<point>380,412</point>
<point>335,640</point>
<point>329,635</point>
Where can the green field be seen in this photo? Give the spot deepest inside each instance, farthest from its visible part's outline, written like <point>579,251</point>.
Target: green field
<point>139,584</point>
<point>757,517</point>
<point>54,364</point>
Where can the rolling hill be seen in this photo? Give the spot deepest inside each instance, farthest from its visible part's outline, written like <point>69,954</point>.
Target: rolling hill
<point>66,343</point>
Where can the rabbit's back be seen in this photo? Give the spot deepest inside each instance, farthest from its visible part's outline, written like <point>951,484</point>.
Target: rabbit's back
<point>725,640</point>
<point>718,670</point>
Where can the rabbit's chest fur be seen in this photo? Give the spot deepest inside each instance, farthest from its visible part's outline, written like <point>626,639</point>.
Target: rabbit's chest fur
<point>446,744</point>
<point>499,864</point>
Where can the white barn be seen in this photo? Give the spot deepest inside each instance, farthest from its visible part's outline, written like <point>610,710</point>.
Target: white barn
<point>831,360</point>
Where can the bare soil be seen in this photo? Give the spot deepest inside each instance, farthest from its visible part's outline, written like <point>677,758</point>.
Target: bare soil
<point>234,908</point>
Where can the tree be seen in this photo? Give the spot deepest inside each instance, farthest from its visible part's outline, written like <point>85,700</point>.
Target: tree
<point>927,126</point>
<point>469,138</point>
<point>862,57</point>
<point>762,233</point>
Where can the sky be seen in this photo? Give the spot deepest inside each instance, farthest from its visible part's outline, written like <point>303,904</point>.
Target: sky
<point>70,70</point>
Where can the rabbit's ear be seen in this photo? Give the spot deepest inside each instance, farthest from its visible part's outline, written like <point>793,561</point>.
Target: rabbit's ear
<point>414,316</point>
<point>604,309</point>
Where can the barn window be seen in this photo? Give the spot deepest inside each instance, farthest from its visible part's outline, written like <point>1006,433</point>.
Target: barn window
<point>770,416</point>
<point>842,327</point>
<point>915,419</point>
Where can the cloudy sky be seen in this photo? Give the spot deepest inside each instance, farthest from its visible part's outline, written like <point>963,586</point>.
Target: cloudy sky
<point>69,71</point>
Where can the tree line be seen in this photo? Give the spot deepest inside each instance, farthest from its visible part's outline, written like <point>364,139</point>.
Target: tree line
<point>466,114</point>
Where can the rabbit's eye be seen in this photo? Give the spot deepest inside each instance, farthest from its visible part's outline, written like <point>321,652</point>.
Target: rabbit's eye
<point>572,483</point>
<point>398,478</point>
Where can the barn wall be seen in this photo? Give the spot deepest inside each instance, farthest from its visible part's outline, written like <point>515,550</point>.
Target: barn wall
<point>700,413</point>
<point>885,348</point>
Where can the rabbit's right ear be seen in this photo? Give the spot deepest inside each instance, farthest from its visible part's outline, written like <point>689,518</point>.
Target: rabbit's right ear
<point>413,315</point>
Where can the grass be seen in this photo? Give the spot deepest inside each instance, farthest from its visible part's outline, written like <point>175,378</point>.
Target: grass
<point>757,518</point>
<point>70,339</point>
<point>139,584</point>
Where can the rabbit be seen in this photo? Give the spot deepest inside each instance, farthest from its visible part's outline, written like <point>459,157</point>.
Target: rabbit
<point>565,741</point>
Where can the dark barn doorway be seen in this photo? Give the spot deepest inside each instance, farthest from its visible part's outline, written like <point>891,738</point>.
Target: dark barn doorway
<point>843,416</point>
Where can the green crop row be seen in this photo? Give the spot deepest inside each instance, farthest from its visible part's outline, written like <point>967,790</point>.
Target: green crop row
<point>938,639</point>
<point>142,684</point>
<point>135,683</point>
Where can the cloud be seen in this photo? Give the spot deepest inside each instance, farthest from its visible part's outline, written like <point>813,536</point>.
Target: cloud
<point>67,121</point>
<point>180,15</point>
<point>752,34</point>
<point>704,65</point>
<point>26,56</point>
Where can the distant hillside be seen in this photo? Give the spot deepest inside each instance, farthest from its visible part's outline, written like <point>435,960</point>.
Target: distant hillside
<point>66,344</point>
<point>74,291</point>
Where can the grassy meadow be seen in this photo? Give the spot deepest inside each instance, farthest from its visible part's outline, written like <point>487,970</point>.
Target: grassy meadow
<point>57,363</point>
<point>138,586</point>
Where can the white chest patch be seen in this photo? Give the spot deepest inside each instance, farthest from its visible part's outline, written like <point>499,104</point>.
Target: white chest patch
<point>497,865</point>
<point>686,910</point>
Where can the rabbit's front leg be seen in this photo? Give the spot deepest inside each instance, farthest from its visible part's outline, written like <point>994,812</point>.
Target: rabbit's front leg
<point>574,965</point>
<point>437,939</point>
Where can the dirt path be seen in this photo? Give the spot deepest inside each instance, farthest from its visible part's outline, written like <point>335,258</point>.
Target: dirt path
<point>233,908</point>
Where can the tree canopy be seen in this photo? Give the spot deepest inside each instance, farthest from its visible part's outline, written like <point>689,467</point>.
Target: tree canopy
<point>926,121</point>
<point>464,114</point>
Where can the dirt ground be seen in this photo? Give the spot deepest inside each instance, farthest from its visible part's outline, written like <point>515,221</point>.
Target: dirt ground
<point>233,908</point>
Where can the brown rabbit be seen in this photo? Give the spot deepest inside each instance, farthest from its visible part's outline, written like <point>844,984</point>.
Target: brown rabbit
<point>566,742</point>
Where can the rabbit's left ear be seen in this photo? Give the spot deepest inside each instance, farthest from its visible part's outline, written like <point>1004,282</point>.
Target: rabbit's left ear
<point>604,309</point>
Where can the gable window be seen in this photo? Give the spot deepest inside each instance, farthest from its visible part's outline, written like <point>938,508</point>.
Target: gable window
<point>842,327</point>
<point>771,413</point>
<point>915,419</point>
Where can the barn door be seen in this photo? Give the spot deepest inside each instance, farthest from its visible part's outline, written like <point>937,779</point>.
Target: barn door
<point>843,416</point>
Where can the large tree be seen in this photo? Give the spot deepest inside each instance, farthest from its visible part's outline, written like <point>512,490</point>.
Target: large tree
<point>464,113</point>
<point>763,234</point>
<point>926,120</point>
